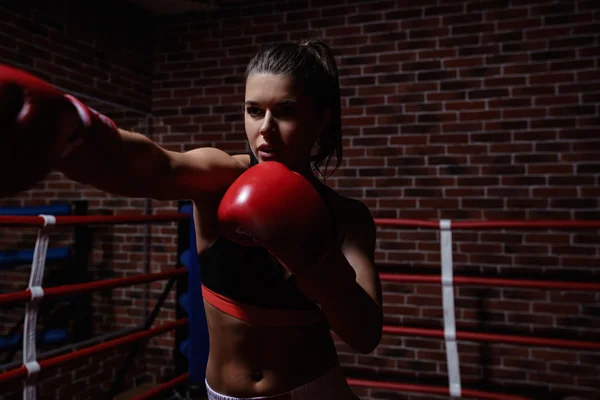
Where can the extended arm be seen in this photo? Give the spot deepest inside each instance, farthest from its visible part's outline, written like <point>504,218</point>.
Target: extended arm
<point>44,129</point>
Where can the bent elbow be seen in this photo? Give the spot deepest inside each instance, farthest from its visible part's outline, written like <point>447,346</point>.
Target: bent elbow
<point>367,347</point>
<point>370,341</point>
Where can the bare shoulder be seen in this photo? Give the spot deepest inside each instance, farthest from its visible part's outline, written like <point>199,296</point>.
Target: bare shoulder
<point>209,156</point>
<point>358,242</point>
<point>195,173</point>
<point>244,159</point>
<point>355,211</point>
<point>359,219</point>
<point>354,218</point>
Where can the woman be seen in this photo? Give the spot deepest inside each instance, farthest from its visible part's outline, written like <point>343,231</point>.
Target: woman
<point>285,259</point>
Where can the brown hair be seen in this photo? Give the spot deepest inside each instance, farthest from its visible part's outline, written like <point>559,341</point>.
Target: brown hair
<point>313,63</point>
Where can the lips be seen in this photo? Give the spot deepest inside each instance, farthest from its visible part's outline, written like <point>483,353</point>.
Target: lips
<point>266,152</point>
<point>266,149</point>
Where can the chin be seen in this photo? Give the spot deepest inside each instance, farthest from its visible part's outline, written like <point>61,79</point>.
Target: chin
<point>269,157</point>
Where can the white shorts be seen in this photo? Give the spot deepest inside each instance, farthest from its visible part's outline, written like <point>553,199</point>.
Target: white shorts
<point>331,386</point>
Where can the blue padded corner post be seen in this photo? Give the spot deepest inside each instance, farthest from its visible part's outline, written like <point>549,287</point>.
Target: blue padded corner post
<point>50,336</point>
<point>11,258</point>
<point>53,209</point>
<point>197,346</point>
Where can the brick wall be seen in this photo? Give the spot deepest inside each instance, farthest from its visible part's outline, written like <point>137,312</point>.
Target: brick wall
<point>460,110</point>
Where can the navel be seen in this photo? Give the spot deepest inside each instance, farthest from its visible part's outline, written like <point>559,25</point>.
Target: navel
<point>256,376</point>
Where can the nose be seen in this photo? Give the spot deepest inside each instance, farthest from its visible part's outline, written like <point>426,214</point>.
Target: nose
<point>268,125</point>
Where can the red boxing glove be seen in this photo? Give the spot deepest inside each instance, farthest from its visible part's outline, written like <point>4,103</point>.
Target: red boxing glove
<point>39,125</point>
<point>281,211</point>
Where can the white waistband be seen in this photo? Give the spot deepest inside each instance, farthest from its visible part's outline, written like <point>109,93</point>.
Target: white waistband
<point>331,386</point>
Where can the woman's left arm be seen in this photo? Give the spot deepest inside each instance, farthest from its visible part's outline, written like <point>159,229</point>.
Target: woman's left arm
<point>286,215</point>
<point>361,325</point>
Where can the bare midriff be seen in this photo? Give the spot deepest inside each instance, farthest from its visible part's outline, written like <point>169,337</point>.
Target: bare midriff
<point>251,361</point>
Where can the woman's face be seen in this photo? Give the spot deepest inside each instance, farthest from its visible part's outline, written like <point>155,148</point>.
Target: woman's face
<point>281,121</point>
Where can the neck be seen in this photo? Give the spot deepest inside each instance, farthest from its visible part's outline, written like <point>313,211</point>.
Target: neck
<point>307,172</point>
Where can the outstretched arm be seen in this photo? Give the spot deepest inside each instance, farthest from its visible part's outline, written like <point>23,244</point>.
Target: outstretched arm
<point>42,128</point>
<point>130,164</point>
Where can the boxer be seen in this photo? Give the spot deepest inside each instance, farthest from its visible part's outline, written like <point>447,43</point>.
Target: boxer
<point>285,260</point>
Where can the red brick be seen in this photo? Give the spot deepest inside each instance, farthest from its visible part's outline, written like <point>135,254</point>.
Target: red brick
<point>364,18</point>
<point>464,62</point>
<point>504,81</point>
<point>467,50</point>
<point>445,96</point>
<point>566,88</point>
<point>459,192</point>
<point>490,135</point>
<point>510,102</point>
<point>465,105</point>
<point>524,180</point>
<point>479,94</point>
<point>552,78</point>
<point>475,29</point>
<point>576,134</point>
<point>336,11</point>
<point>480,115</point>
<point>550,169</point>
<point>436,54</point>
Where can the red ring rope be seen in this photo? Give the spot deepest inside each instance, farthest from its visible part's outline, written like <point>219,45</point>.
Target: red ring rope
<point>163,387</point>
<point>58,291</point>
<point>468,393</point>
<point>493,337</point>
<point>93,219</point>
<point>550,224</point>
<point>130,219</point>
<point>476,281</point>
<point>21,372</point>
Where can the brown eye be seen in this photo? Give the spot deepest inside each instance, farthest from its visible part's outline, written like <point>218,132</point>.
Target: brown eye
<point>253,111</point>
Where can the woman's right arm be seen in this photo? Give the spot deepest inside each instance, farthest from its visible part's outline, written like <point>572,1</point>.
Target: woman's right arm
<point>129,164</point>
<point>42,128</point>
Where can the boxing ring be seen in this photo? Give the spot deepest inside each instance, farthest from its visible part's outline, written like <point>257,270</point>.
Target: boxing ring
<point>33,363</point>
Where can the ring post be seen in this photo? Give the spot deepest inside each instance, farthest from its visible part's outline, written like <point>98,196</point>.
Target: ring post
<point>197,349</point>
